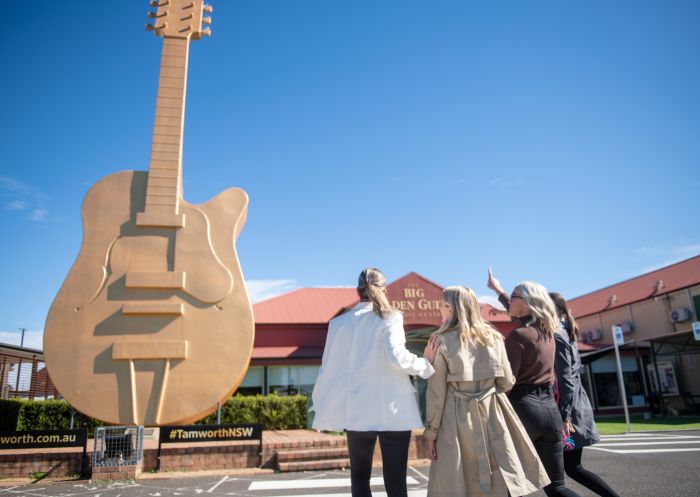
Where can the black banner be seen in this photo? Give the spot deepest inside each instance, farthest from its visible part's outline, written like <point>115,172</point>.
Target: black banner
<point>210,433</point>
<point>41,439</point>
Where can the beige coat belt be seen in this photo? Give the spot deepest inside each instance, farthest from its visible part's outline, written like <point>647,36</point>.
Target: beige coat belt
<point>477,412</point>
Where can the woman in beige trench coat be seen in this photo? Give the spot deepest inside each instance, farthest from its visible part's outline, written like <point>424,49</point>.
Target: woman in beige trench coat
<point>476,441</point>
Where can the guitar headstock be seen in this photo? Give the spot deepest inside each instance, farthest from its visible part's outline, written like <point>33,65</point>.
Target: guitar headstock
<point>180,18</point>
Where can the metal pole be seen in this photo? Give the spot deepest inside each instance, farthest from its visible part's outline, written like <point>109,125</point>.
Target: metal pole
<point>218,413</point>
<point>662,406</point>
<point>617,335</point>
<point>21,342</point>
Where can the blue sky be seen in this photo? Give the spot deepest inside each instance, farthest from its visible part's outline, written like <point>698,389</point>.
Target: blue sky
<point>554,141</point>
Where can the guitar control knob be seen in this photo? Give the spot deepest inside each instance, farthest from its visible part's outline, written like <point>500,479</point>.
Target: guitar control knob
<point>208,9</point>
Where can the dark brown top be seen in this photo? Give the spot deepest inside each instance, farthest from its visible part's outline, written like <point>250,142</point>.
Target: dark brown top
<point>531,356</point>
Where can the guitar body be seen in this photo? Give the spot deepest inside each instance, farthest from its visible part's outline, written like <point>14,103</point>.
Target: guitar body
<point>152,325</point>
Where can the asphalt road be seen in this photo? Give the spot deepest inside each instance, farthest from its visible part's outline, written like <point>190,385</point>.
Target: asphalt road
<point>639,465</point>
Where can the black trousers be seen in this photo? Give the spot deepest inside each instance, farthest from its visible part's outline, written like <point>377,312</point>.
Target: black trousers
<point>394,446</point>
<point>540,416</point>
<point>590,480</point>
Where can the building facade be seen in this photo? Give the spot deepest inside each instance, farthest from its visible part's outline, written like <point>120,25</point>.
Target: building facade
<point>656,311</point>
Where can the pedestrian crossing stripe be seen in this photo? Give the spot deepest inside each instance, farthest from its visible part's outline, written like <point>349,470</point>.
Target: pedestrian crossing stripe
<point>606,444</point>
<point>317,483</point>
<point>411,493</point>
<point>643,451</point>
<point>610,443</point>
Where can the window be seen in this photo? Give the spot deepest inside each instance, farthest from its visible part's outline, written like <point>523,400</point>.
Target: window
<point>252,383</point>
<point>292,380</point>
<point>607,391</point>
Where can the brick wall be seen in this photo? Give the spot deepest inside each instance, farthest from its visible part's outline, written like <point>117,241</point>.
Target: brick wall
<point>54,464</point>
<point>185,457</point>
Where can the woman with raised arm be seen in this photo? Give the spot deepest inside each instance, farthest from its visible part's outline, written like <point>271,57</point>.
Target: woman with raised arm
<point>476,442</point>
<point>363,386</point>
<point>574,406</point>
<point>530,350</point>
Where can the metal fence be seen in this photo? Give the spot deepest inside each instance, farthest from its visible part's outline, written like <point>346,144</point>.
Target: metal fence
<point>25,376</point>
<point>118,446</point>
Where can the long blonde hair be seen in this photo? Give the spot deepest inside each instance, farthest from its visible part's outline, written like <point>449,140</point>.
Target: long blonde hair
<point>466,317</point>
<point>541,307</point>
<point>370,286</point>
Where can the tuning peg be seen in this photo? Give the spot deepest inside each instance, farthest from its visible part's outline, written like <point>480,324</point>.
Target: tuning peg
<point>205,32</point>
<point>150,14</point>
<point>208,8</point>
<point>206,20</point>
<point>150,27</point>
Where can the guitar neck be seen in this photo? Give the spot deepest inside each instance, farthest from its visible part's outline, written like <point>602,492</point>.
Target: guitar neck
<point>164,187</point>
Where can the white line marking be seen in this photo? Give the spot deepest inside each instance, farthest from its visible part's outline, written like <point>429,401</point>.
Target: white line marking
<point>643,451</point>
<point>8,489</point>
<point>421,475</point>
<point>411,493</point>
<point>329,482</point>
<point>674,442</point>
<point>220,482</point>
<point>666,440</point>
<point>645,436</point>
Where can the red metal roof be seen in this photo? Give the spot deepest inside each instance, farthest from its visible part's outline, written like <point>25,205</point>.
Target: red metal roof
<point>305,305</point>
<point>674,277</point>
<point>320,305</point>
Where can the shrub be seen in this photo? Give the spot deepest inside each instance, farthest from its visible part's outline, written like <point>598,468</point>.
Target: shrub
<point>52,415</point>
<point>272,411</point>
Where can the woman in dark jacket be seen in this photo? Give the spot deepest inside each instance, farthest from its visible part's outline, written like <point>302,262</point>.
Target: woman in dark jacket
<point>531,351</point>
<point>574,406</point>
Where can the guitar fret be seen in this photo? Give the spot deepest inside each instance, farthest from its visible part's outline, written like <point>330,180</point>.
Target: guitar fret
<point>165,173</point>
<point>156,181</point>
<point>165,147</point>
<point>163,138</point>
<point>161,200</point>
<point>166,196</point>
<point>165,155</point>
<point>176,129</point>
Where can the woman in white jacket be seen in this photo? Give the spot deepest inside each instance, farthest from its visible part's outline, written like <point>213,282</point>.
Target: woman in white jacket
<point>363,386</point>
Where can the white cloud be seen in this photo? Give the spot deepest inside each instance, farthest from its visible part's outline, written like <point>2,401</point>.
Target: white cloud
<point>16,205</point>
<point>489,299</point>
<point>33,339</point>
<point>266,289</point>
<point>38,215</point>
<point>23,197</point>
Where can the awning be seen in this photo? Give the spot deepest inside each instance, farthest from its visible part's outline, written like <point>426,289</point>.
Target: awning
<point>679,343</point>
<point>287,352</point>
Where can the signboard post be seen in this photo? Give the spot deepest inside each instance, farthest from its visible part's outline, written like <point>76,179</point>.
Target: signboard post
<point>696,330</point>
<point>619,339</point>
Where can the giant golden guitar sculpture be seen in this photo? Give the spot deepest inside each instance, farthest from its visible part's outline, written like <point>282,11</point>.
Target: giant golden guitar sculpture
<point>153,324</point>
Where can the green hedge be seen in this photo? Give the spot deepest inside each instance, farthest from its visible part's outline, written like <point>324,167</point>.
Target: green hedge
<point>274,412</point>
<point>52,415</point>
